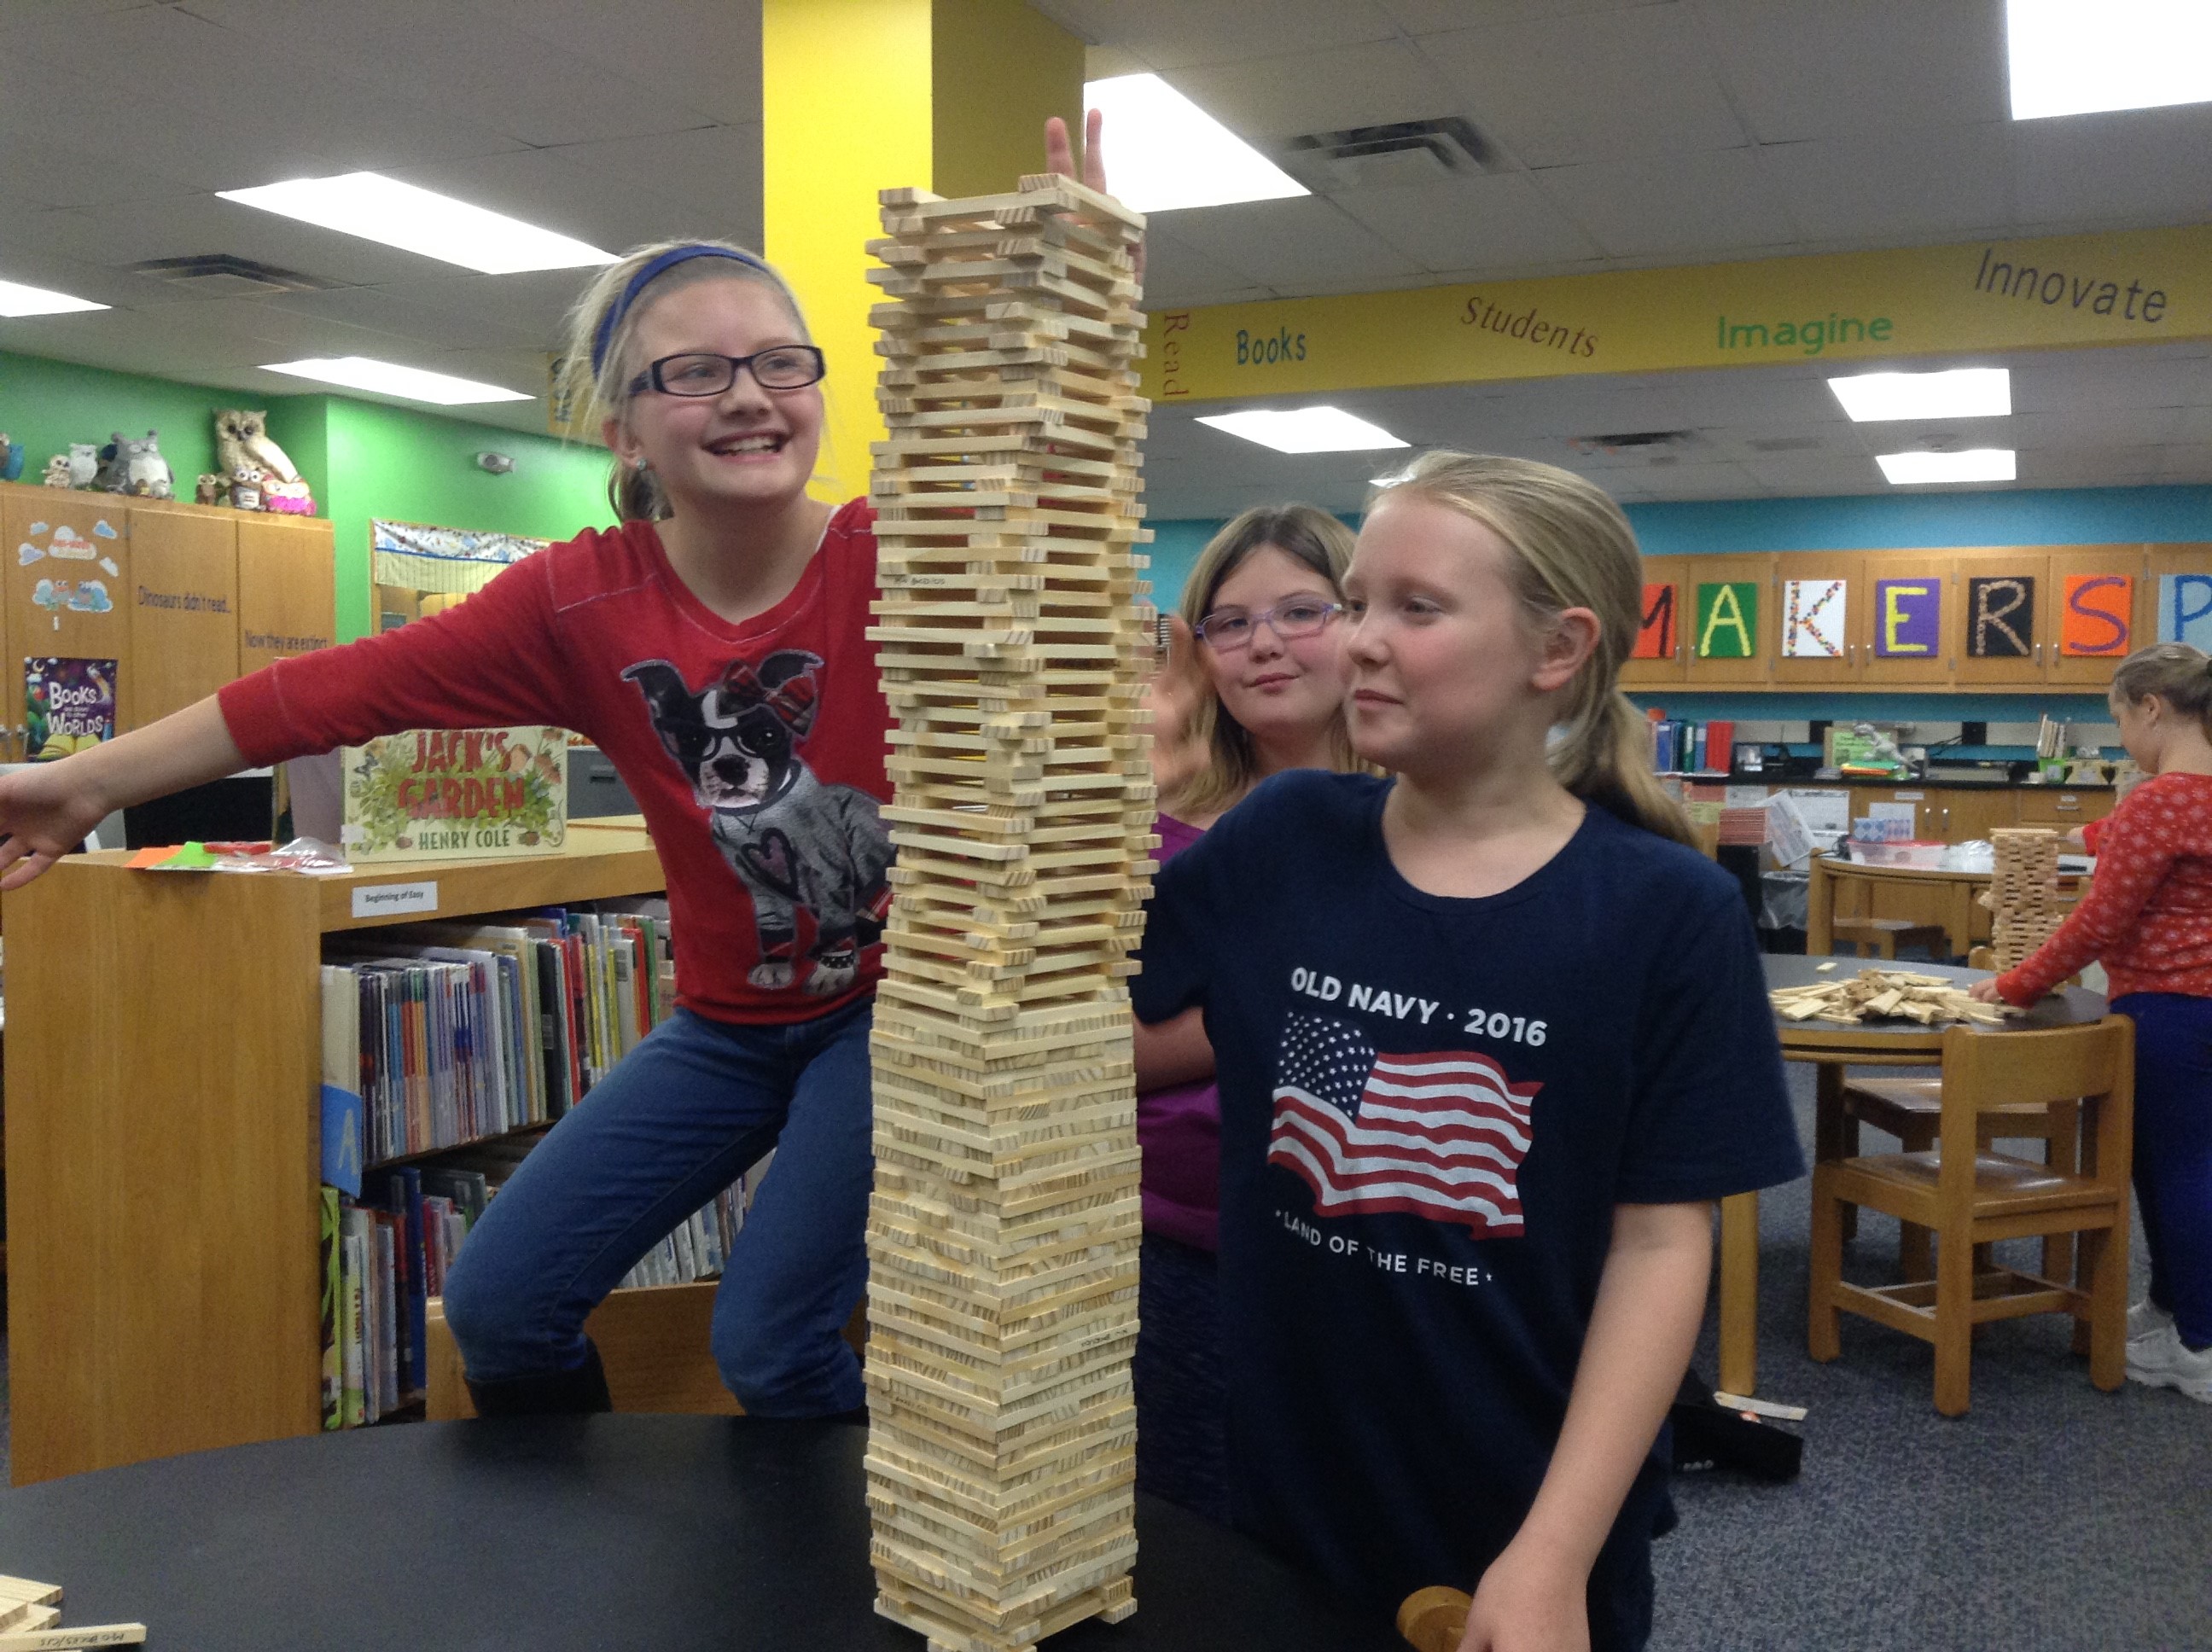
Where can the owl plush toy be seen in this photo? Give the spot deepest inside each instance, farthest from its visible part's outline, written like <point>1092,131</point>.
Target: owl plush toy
<point>241,440</point>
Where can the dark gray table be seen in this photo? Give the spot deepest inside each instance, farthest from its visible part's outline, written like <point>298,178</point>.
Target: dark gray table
<point>553,1533</point>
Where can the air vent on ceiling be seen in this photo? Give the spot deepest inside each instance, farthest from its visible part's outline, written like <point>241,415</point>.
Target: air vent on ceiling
<point>225,274</point>
<point>1404,152</point>
<point>1782,444</point>
<point>1652,444</point>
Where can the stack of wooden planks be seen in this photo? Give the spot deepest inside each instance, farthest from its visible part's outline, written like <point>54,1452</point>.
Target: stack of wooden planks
<point>2023,893</point>
<point>1931,1001</point>
<point>1013,647</point>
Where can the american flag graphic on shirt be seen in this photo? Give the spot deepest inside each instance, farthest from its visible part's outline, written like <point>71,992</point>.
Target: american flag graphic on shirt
<point>1442,1136</point>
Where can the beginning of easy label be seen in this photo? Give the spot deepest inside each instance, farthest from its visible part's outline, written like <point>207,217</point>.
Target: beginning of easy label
<point>389,900</point>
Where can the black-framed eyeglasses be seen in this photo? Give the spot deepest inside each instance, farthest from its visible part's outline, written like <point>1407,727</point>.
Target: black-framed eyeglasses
<point>783,366</point>
<point>1227,629</point>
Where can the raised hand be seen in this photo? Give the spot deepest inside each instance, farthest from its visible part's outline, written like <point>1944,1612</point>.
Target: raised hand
<point>1176,694</point>
<point>1060,157</point>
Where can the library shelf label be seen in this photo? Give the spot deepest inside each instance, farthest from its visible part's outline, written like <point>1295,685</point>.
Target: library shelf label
<point>388,900</point>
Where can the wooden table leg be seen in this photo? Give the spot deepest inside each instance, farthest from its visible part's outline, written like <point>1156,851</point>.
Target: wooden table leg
<point>1739,1304</point>
<point>1834,1135</point>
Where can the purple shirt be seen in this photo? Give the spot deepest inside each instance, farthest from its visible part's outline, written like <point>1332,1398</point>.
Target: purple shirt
<point>1179,1128</point>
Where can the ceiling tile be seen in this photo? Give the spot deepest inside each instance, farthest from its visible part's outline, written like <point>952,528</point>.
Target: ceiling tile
<point>1177,276</point>
<point>1498,223</point>
<point>1801,69</point>
<point>1285,245</point>
<point>1617,83</point>
<point>1444,16</point>
<point>700,54</point>
<point>1370,84</point>
<point>187,226</point>
<point>1887,187</point>
<point>711,173</point>
<point>1173,34</point>
<point>549,188</point>
<point>1683,205</point>
<point>2088,426</point>
<point>2147,164</point>
<point>2060,380</point>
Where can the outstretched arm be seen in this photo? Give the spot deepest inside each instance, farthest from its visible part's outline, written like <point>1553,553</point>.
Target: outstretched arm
<point>1649,1301</point>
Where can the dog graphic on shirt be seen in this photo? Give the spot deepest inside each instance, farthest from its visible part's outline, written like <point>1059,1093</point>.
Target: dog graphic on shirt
<point>796,844</point>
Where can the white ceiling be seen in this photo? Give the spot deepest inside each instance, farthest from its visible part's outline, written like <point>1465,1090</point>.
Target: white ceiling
<point>1627,134</point>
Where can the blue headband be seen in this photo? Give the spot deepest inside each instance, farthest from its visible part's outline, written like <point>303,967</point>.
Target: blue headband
<point>649,272</point>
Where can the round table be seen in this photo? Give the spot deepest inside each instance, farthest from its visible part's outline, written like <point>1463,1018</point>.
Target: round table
<point>1886,1041</point>
<point>1935,894</point>
<point>673,1532</point>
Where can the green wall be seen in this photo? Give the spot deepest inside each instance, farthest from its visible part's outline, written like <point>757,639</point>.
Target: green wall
<point>362,459</point>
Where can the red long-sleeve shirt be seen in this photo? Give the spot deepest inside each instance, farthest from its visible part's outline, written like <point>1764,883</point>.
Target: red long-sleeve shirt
<point>2148,913</point>
<point>756,752</point>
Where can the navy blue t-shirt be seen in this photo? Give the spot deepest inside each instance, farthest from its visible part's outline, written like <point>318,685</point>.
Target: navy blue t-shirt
<point>1429,1108</point>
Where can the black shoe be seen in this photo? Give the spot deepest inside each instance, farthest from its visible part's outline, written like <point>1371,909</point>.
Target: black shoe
<point>557,1393</point>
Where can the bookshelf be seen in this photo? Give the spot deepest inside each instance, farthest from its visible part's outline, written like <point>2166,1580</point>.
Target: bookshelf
<point>162,1059</point>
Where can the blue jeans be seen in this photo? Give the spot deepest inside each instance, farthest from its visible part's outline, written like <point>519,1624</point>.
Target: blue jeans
<point>2173,1153</point>
<point>680,1118</point>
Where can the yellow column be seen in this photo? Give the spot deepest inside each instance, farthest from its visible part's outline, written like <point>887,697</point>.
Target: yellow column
<point>862,95</point>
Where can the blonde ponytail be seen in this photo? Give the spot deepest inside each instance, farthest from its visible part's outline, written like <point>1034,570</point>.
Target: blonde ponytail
<point>1571,548</point>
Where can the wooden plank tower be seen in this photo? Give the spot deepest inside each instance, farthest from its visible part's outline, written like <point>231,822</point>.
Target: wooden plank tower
<point>1002,1242</point>
<point>2023,893</point>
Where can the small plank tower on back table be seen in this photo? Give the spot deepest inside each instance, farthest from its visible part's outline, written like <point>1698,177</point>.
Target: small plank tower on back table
<point>1002,1241</point>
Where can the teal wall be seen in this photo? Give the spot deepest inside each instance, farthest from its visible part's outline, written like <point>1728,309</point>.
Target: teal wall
<point>362,459</point>
<point>2072,516</point>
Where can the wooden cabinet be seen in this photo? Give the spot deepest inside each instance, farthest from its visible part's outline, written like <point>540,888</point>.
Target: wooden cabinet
<point>1819,600</point>
<point>162,1061</point>
<point>2004,621</point>
<point>1964,814</point>
<point>2184,613</point>
<point>287,589</point>
<point>1665,605</point>
<point>68,581</point>
<point>184,610</point>
<point>2056,806</point>
<point>2099,614</point>
<point>1909,631</point>
<point>1732,622</point>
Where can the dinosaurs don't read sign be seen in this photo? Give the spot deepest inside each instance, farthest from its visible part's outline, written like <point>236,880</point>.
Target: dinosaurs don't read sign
<point>442,794</point>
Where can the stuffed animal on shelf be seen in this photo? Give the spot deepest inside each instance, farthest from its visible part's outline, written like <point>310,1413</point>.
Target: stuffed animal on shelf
<point>11,458</point>
<point>246,487</point>
<point>146,473</point>
<point>288,498</point>
<point>211,490</point>
<point>83,464</point>
<point>57,471</point>
<point>241,438</point>
<point>114,476</point>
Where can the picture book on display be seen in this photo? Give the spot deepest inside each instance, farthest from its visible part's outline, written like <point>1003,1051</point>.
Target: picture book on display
<point>438,794</point>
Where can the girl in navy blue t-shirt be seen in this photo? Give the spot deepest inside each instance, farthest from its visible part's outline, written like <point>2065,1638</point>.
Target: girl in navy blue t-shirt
<point>1487,1055</point>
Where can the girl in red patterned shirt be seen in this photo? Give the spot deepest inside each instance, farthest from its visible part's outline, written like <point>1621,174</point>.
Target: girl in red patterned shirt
<point>2149,918</point>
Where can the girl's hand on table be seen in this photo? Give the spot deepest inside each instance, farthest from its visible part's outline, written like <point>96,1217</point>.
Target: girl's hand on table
<point>1985,992</point>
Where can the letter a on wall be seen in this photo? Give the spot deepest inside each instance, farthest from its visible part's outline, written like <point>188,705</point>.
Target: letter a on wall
<point>1907,617</point>
<point>2096,616</point>
<point>1655,636</point>
<point>2185,610</point>
<point>1728,620</point>
<point>2000,617</point>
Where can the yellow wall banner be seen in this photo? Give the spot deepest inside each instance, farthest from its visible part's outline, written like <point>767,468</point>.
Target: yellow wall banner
<point>2138,287</point>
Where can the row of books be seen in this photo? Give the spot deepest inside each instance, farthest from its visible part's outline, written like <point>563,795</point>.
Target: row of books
<point>449,1033</point>
<point>1686,748</point>
<point>384,1255</point>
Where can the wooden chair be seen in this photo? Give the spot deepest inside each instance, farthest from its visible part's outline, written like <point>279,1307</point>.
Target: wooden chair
<point>1969,1198</point>
<point>1881,937</point>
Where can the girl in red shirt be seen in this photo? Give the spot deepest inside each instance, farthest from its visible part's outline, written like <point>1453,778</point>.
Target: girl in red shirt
<point>714,645</point>
<point>2148,916</point>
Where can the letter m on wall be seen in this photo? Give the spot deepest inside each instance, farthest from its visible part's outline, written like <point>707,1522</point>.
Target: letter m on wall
<point>1655,636</point>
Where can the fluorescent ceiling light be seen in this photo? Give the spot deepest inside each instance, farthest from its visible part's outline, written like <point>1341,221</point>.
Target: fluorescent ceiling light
<point>1167,153</point>
<point>1973,464</point>
<point>1958,393</point>
<point>389,378</point>
<point>16,298</point>
<point>1305,430</point>
<point>380,209</point>
<point>2071,59</point>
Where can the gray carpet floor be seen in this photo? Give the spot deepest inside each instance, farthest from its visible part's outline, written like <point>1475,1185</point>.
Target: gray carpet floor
<point>2050,1518</point>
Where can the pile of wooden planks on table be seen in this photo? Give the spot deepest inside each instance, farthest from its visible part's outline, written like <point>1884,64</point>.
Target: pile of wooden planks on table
<point>1931,1001</point>
<point>1013,648</point>
<point>31,1616</point>
<point>2023,893</point>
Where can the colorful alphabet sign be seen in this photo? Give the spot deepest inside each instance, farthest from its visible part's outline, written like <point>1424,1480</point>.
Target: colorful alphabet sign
<point>2096,618</point>
<point>2185,610</point>
<point>2000,617</point>
<point>1908,617</point>
<point>1813,613</point>
<point>1655,636</point>
<point>1728,620</point>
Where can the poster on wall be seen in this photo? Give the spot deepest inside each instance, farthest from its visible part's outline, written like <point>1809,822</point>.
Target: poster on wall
<point>2185,610</point>
<point>439,794</point>
<point>2001,617</point>
<point>69,706</point>
<point>1813,613</point>
<point>2096,615</point>
<point>1908,617</point>
<point>1728,620</point>
<point>1654,635</point>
